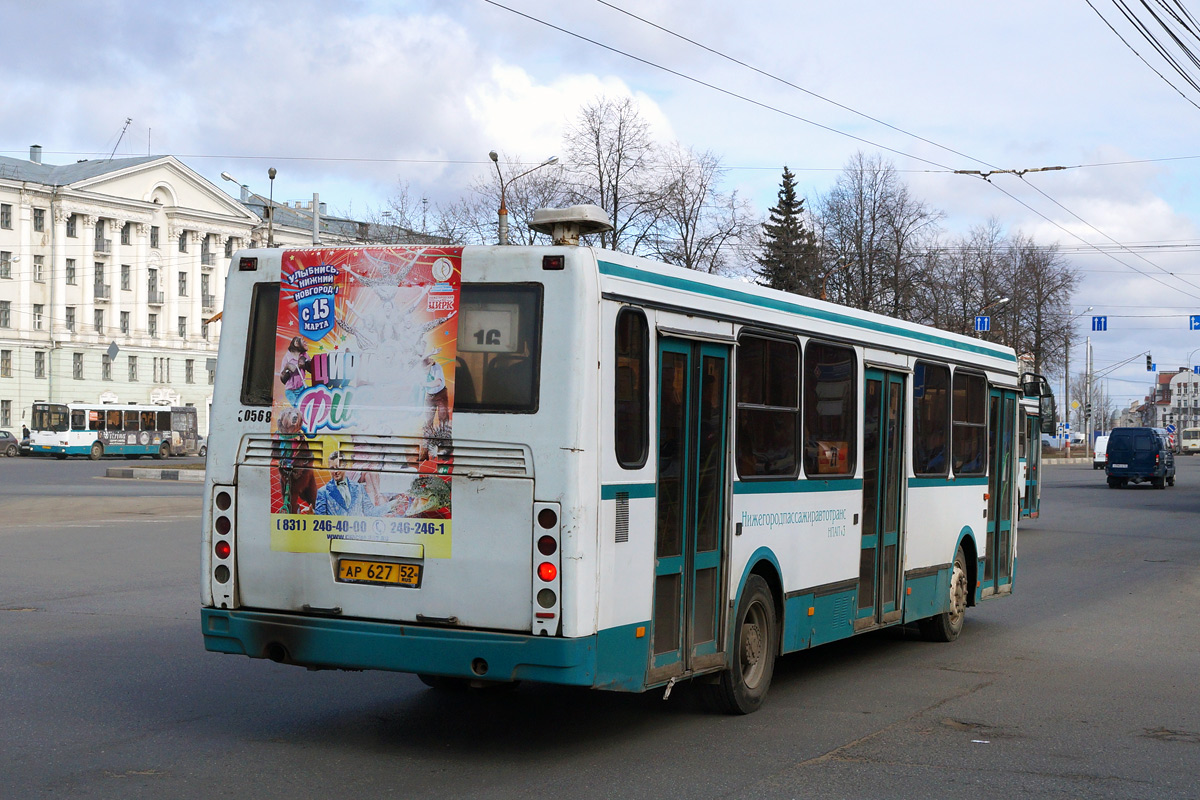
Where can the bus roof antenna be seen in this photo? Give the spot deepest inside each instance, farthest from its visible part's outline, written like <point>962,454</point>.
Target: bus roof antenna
<point>566,225</point>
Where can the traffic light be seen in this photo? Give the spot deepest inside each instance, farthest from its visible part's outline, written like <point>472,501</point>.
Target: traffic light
<point>1149,363</point>
<point>1087,410</point>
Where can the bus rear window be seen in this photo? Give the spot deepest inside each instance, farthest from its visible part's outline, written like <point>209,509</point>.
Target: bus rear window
<point>259,375</point>
<point>499,348</point>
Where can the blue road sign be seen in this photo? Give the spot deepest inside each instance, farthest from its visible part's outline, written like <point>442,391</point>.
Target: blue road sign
<point>1194,322</point>
<point>984,324</point>
<point>1099,323</point>
<point>1170,429</point>
<point>1196,369</point>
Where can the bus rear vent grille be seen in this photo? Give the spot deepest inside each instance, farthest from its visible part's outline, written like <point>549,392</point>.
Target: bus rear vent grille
<point>622,516</point>
<point>392,454</point>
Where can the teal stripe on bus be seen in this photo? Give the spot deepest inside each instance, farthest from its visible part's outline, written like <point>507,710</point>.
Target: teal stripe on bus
<point>918,483</point>
<point>792,487</point>
<point>675,282</point>
<point>608,491</point>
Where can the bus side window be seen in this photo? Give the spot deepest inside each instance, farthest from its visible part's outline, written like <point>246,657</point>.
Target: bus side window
<point>96,420</point>
<point>768,407</point>
<point>632,391</point>
<point>830,410</point>
<point>970,424</point>
<point>79,421</point>
<point>164,421</point>
<point>931,419</point>
<point>114,420</point>
<point>131,421</point>
<point>148,421</point>
<point>258,377</point>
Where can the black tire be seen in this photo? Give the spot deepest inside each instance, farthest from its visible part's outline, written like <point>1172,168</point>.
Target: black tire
<point>204,451</point>
<point>1171,481</point>
<point>743,687</point>
<point>12,451</point>
<point>947,626</point>
<point>1114,483</point>
<point>96,451</point>
<point>164,451</point>
<point>1158,483</point>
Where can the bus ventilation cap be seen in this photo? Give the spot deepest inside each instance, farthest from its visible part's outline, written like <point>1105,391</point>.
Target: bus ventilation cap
<point>566,225</point>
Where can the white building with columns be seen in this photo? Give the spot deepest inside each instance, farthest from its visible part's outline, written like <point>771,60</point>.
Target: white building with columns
<point>131,252</point>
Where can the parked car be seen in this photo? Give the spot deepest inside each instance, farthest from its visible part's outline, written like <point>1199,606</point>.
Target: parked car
<point>1139,454</point>
<point>10,445</point>
<point>1100,453</point>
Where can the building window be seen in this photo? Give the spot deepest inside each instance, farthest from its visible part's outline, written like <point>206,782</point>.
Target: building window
<point>6,413</point>
<point>204,331</point>
<point>5,216</point>
<point>105,367</point>
<point>133,372</point>
<point>38,313</point>
<point>212,373</point>
<point>77,366</point>
<point>5,313</point>
<point>98,319</point>
<point>189,370</point>
<point>126,277</point>
<point>5,264</point>
<point>5,363</point>
<point>70,272</point>
<point>183,284</point>
<point>126,232</point>
<point>70,311</point>
<point>152,326</point>
<point>830,410</point>
<point>970,424</point>
<point>39,220</point>
<point>125,322</point>
<point>72,225</point>
<point>39,364</point>
<point>183,327</point>
<point>154,236</point>
<point>39,269</point>
<point>768,407</point>
<point>183,237</point>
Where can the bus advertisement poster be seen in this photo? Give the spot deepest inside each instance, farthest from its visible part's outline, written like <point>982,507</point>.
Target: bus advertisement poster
<point>363,400</point>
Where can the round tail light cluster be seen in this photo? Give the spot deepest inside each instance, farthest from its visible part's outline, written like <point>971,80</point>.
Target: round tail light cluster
<point>547,582</point>
<point>223,515</point>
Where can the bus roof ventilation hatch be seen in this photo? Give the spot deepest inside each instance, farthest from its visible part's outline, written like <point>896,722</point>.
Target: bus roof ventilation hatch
<point>566,225</point>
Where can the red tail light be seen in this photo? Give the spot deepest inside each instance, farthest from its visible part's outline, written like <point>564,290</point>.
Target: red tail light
<point>547,571</point>
<point>222,549</point>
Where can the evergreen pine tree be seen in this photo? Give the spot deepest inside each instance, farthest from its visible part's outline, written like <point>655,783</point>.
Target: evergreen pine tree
<point>789,257</point>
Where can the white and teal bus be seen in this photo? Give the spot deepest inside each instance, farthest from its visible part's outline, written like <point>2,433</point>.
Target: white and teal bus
<point>1189,441</point>
<point>575,466</point>
<point>98,429</point>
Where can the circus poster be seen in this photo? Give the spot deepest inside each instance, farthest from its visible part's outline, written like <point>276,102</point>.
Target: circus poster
<point>364,396</point>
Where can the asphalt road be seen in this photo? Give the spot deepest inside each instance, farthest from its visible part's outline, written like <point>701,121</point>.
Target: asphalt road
<point>1083,684</point>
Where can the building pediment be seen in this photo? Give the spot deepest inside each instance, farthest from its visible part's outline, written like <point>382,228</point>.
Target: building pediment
<point>169,183</point>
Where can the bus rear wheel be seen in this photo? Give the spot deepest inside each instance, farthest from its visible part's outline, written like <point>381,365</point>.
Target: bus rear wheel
<point>96,451</point>
<point>164,450</point>
<point>742,688</point>
<point>946,627</point>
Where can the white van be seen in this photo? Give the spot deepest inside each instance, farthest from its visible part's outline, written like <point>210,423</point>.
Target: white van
<point>1101,452</point>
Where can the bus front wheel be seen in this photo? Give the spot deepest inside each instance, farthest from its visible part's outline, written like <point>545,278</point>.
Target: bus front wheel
<point>743,687</point>
<point>946,627</point>
<point>96,451</point>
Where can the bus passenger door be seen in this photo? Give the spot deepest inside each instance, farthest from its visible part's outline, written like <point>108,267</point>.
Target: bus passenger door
<point>1002,416</point>
<point>883,499</point>
<point>1033,465</point>
<point>693,386</point>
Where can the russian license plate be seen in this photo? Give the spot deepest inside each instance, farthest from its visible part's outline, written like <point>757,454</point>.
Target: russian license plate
<point>1120,466</point>
<point>355,571</point>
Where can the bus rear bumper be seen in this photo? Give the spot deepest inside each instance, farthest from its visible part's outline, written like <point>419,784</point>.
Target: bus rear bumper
<point>362,644</point>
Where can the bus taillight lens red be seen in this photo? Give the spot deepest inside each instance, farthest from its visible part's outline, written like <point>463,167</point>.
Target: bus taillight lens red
<point>547,518</point>
<point>222,549</point>
<point>547,545</point>
<point>547,571</point>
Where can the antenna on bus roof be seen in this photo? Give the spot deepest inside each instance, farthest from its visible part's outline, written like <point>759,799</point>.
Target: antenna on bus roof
<point>566,225</point>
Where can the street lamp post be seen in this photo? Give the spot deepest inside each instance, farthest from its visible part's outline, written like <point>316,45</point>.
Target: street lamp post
<point>503,214</point>
<point>994,304</point>
<point>1067,375</point>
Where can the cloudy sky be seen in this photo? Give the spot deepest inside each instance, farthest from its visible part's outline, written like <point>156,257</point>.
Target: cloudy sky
<point>352,98</point>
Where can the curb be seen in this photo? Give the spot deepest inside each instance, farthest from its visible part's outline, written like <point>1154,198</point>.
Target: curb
<point>145,474</point>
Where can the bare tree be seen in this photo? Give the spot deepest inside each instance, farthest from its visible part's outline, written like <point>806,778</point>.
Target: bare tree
<point>611,164</point>
<point>1041,290</point>
<point>697,226</point>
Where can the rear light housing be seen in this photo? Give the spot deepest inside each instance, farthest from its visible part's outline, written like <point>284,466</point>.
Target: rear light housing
<point>547,566</point>
<point>222,573</point>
